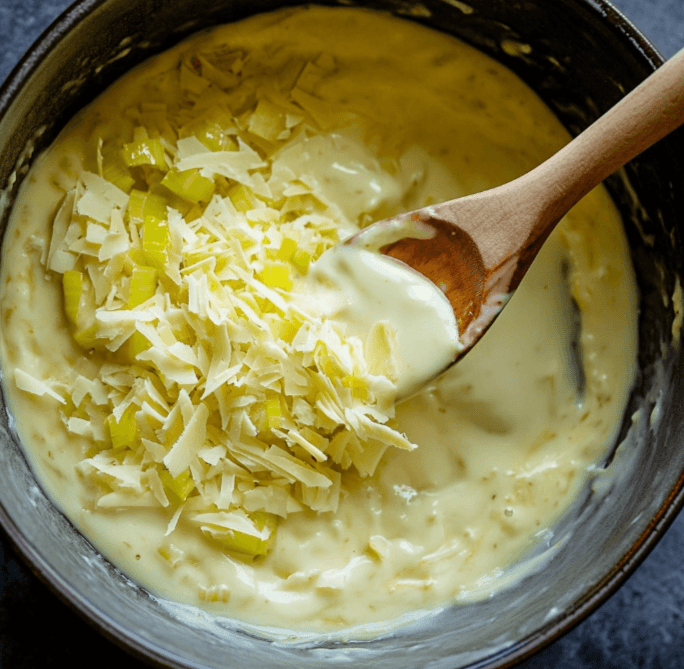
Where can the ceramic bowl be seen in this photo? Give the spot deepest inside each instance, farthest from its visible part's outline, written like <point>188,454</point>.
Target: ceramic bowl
<point>580,56</point>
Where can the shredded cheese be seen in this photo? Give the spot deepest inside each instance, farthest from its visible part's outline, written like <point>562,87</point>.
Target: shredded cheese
<point>227,398</point>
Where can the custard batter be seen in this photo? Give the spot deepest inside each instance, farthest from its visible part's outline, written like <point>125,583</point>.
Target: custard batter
<point>505,440</point>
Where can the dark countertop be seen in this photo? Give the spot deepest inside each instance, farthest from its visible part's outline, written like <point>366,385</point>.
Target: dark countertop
<point>641,626</point>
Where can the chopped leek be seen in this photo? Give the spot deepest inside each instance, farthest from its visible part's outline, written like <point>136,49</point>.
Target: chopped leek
<point>143,285</point>
<point>155,241</point>
<point>301,259</point>
<point>242,198</point>
<point>124,432</point>
<point>137,343</point>
<point>277,275</point>
<point>72,284</point>
<point>181,486</point>
<point>288,331</point>
<point>287,248</point>
<point>115,171</point>
<point>211,133</point>
<point>87,338</point>
<point>274,413</point>
<point>189,185</point>
<point>247,544</point>
<point>147,151</point>
<point>142,204</point>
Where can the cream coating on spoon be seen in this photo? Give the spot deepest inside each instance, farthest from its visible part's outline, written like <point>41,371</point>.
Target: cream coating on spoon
<point>359,288</point>
<point>505,443</point>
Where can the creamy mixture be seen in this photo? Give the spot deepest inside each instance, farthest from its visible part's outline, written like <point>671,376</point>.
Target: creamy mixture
<point>358,289</point>
<point>204,424</point>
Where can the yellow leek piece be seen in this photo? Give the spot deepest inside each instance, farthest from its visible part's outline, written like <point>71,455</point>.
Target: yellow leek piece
<point>274,412</point>
<point>92,451</point>
<point>242,198</point>
<point>146,151</point>
<point>181,486</point>
<point>136,343</point>
<point>213,137</point>
<point>325,361</point>
<point>133,258</point>
<point>142,204</point>
<point>210,134</point>
<point>193,213</point>
<point>210,131</point>
<point>87,338</point>
<point>170,553</point>
<point>287,248</point>
<point>289,330</point>
<point>301,259</point>
<point>115,171</point>
<point>143,285</point>
<point>155,232</point>
<point>125,432</point>
<point>155,241</point>
<point>248,545</point>
<point>189,185</point>
<point>72,284</point>
<point>277,275</point>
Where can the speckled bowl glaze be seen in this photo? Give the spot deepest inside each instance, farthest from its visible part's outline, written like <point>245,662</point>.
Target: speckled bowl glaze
<point>580,56</point>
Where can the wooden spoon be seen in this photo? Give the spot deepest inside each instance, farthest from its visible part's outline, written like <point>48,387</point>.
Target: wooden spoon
<point>478,248</point>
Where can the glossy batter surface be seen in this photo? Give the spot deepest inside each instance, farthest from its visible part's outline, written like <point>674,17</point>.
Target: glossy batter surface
<point>505,440</point>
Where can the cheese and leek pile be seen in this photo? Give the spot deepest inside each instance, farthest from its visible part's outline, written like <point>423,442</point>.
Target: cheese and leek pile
<point>218,394</point>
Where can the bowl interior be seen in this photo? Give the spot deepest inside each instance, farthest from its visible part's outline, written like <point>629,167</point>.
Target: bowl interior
<point>583,56</point>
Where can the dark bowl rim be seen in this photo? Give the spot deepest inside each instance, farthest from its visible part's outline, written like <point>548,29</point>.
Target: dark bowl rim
<point>40,49</point>
<point>135,644</point>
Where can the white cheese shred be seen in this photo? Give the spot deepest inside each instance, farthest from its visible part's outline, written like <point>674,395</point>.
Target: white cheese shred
<point>214,391</point>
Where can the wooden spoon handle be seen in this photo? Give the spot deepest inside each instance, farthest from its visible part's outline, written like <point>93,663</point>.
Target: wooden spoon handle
<point>652,110</point>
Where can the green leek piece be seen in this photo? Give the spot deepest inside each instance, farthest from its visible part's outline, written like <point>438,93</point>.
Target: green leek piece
<point>135,344</point>
<point>274,412</point>
<point>155,241</point>
<point>211,133</point>
<point>326,361</point>
<point>72,284</point>
<point>87,338</point>
<point>193,213</point>
<point>246,544</point>
<point>287,248</point>
<point>142,204</point>
<point>277,275</point>
<point>147,151</point>
<point>189,185</point>
<point>181,486</point>
<point>134,257</point>
<point>124,432</point>
<point>115,171</point>
<point>242,198</point>
<point>289,330</point>
<point>143,285</point>
<point>301,259</point>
